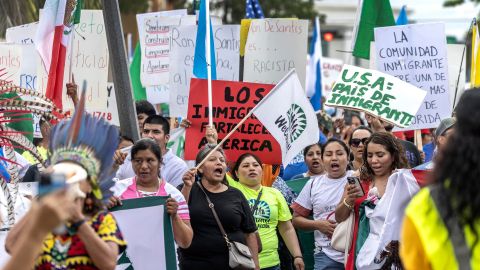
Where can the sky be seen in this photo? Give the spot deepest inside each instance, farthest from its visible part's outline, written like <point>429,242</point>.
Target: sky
<point>457,19</point>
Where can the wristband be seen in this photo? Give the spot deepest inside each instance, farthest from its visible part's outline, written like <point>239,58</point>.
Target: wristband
<point>297,257</point>
<point>350,207</point>
<point>73,228</point>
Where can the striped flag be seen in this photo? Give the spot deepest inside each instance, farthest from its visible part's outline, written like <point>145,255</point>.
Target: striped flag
<point>314,76</point>
<point>55,29</point>
<point>253,10</point>
<point>200,61</point>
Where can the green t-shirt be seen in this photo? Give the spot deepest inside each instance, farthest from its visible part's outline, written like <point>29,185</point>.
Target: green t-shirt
<point>271,209</point>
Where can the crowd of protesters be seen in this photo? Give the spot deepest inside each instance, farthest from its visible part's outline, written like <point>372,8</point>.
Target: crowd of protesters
<point>356,173</point>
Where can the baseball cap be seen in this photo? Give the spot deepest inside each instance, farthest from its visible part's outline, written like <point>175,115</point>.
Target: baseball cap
<point>444,125</point>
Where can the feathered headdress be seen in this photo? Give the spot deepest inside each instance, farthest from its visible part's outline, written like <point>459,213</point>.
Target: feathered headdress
<point>89,142</point>
<point>16,106</point>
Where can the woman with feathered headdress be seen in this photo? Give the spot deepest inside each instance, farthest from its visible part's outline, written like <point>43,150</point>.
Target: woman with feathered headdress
<point>82,150</point>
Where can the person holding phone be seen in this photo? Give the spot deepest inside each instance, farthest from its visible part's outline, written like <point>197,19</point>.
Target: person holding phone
<point>382,156</point>
<point>320,195</point>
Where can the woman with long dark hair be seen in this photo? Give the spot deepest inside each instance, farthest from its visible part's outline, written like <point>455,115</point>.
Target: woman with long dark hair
<point>441,229</point>
<point>383,154</point>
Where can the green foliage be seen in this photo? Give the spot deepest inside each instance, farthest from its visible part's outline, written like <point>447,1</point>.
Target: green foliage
<point>451,3</point>
<point>234,10</point>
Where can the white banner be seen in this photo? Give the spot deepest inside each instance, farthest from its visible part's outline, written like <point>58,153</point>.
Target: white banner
<point>417,54</point>
<point>273,48</point>
<point>227,44</point>
<point>147,228</point>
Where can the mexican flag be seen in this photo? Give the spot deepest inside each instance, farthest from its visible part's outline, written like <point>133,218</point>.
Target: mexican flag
<point>288,115</point>
<point>55,29</point>
<point>154,250</point>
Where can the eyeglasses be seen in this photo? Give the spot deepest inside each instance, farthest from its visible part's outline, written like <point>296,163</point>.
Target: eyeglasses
<point>356,142</point>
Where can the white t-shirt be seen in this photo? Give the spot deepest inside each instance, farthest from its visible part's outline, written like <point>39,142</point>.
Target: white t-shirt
<point>172,169</point>
<point>323,197</point>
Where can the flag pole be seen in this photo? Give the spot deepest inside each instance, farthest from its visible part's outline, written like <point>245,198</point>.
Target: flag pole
<point>209,63</point>
<point>244,119</point>
<point>72,45</point>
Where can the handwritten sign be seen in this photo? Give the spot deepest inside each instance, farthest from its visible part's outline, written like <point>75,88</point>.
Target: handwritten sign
<point>226,41</point>
<point>155,39</point>
<point>377,93</point>
<point>232,101</point>
<point>10,61</point>
<point>274,47</point>
<point>417,54</point>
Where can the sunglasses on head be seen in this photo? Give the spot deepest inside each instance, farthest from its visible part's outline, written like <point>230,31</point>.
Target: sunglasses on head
<point>356,142</point>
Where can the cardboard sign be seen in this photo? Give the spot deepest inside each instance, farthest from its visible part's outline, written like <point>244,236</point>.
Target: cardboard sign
<point>155,38</point>
<point>231,102</point>
<point>377,93</point>
<point>22,34</point>
<point>417,54</point>
<point>10,61</point>
<point>274,47</point>
<point>227,43</point>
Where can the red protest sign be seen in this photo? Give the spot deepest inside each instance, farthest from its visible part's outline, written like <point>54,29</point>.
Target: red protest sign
<point>231,102</point>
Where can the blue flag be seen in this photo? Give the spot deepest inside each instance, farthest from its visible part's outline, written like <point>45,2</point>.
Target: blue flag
<point>253,10</point>
<point>200,60</point>
<point>314,76</point>
<point>402,16</point>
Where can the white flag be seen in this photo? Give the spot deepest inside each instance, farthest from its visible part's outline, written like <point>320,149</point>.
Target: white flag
<point>288,115</point>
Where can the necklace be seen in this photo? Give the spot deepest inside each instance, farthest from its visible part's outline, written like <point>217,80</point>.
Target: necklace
<point>60,250</point>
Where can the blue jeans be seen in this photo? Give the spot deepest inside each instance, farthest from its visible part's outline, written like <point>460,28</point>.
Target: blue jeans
<point>323,262</point>
<point>276,267</point>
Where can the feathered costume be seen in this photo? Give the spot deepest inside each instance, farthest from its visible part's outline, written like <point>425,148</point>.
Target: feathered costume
<point>16,106</point>
<point>88,142</point>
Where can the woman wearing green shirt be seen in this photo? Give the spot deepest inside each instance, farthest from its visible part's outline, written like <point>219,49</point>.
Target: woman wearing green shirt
<point>270,211</point>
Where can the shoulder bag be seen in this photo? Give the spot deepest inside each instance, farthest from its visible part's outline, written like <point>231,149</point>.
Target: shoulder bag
<point>239,255</point>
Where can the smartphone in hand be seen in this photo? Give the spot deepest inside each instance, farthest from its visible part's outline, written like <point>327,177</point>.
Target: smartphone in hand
<point>355,181</point>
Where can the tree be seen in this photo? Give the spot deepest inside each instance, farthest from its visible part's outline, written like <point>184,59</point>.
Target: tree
<point>234,10</point>
<point>451,3</point>
<point>13,13</point>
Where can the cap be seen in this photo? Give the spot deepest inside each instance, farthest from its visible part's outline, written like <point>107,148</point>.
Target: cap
<point>445,125</point>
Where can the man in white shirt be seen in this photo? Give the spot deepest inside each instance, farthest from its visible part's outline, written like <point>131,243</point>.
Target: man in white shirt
<point>172,169</point>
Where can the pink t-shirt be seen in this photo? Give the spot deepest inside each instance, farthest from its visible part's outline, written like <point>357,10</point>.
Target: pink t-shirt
<point>127,189</point>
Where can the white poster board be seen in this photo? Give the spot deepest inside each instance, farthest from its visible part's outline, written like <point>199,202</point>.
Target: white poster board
<point>417,54</point>
<point>154,36</point>
<point>331,68</point>
<point>227,44</point>
<point>147,228</point>
<point>273,48</point>
<point>377,93</point>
